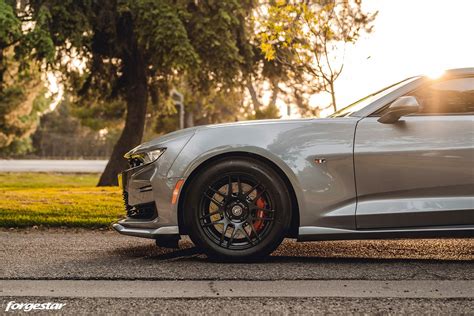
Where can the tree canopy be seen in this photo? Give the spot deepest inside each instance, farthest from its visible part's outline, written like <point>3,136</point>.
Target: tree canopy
<point>24,48</point>
<point>133,51</point>
<point>311,36</point>
<point>118,60</point>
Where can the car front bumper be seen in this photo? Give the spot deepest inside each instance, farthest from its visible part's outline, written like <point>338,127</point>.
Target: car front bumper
<point>148,203</point>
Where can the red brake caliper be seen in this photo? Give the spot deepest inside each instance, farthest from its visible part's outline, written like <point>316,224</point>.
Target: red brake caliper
<point>259,223</point>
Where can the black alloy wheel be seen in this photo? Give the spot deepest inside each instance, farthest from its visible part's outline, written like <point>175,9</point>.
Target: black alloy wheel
<point>236,212</point>
<point>239,208</point>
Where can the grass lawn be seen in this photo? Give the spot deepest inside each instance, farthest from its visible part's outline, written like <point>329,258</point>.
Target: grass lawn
<point>54,199</point>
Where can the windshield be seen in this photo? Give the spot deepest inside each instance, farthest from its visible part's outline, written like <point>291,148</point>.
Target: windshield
<point>362,103</point>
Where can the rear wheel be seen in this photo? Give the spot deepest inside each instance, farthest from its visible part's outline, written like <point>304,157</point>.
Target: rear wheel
<point>237,209</point>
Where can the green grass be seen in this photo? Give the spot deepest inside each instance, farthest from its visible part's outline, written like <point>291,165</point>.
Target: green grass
<point>53,199</point>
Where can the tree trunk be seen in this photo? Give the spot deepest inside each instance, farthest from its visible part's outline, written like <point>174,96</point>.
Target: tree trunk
<point>189,118</point>
<point>275,90</point>
<point>253,95</point>
<point>136,98</point>
<point>2,69</point>
<point>333,96</point>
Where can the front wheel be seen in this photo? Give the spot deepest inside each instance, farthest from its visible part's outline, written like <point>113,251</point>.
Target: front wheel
<point>237,209</point>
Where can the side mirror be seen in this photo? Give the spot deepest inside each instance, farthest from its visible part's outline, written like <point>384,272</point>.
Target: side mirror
<point>400,107</point>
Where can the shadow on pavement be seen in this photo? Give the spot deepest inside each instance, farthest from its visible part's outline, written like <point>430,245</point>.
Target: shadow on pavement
<point>371,252</point>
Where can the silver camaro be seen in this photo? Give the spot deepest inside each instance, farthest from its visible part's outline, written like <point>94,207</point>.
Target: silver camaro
<point>397,163</point>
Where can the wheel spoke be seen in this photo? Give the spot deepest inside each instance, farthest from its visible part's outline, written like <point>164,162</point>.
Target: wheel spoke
<point>212,223</point>
<point>265,210</point>
<point>229,187</point>
<point>217,192</point>
<point>251,190</point>
<point>246,235</point>
<point>259,195</point>
<point>213,200</point>
<point>224,230</point>
<point>211,214</point>
<point>231,237</point>
<point>254,232</point>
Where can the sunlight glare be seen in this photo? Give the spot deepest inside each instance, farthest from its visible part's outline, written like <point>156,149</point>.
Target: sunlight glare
<point>410,38</point>
<point>435,73</point>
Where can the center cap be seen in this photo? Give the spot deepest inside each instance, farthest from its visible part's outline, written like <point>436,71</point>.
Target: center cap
<point>237,210</point>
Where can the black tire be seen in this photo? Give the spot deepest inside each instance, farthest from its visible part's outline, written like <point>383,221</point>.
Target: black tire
<point>237,209</point>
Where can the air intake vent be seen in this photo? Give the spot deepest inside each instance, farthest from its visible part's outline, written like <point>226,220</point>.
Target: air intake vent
<point>142,211</point>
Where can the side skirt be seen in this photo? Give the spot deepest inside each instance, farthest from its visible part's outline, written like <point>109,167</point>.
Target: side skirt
<point>314,233</point>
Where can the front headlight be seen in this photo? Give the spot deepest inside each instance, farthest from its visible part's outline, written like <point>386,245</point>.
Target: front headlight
<point>138,159</point>
<point>154,155</point>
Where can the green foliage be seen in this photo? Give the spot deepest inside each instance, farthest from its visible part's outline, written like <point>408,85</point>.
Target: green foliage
<point>24,45</point>
<point>275,77</point>
<point>62,135</point>
<point>200,42</point>
<point>20,106</point>
<point>17,147</point>
<point>99,114</point>
<point>269,112</point>
<point>216,30</point>
<point>36,44</point>
<point>26,32</point>
<point>217,105</point>
<point>10,25</point>
<point>310,35</point>
<point>133,52</point>
<point>306,27</point>
<point>162,35</point>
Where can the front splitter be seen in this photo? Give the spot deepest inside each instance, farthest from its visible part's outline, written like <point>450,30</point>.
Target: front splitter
<point>151,233</point>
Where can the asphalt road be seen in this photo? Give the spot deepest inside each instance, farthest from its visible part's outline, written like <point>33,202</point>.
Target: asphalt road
<point>247,306</point>
<point>35,165</point>
<point>83,257</point>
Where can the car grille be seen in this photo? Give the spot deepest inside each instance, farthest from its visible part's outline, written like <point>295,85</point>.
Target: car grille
<point>142,211</point>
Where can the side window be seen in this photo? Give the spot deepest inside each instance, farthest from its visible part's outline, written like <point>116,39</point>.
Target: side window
<point>453,96</point>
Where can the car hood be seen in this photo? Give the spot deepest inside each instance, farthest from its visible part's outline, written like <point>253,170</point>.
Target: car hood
<point>180,136</point>
<point>184,135</point>
<point>256,122</point>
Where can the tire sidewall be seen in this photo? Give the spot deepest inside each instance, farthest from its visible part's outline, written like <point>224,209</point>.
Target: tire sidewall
<point>274,185</point>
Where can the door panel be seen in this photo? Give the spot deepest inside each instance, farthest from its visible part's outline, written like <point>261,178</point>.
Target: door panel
<point>417,172</point>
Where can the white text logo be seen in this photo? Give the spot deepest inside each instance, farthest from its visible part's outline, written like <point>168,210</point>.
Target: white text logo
<point>27,307</point>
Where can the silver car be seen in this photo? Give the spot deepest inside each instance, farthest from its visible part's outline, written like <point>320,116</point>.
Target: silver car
<point>397,163</point>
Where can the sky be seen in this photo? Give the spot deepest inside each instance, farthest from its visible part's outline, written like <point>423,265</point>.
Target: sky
<point>409,38</point>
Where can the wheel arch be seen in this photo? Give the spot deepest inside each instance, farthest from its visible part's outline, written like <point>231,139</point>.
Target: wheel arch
<point>295,209</point>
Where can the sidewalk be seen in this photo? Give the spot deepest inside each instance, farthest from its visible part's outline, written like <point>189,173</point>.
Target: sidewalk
<point>36,165</point>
